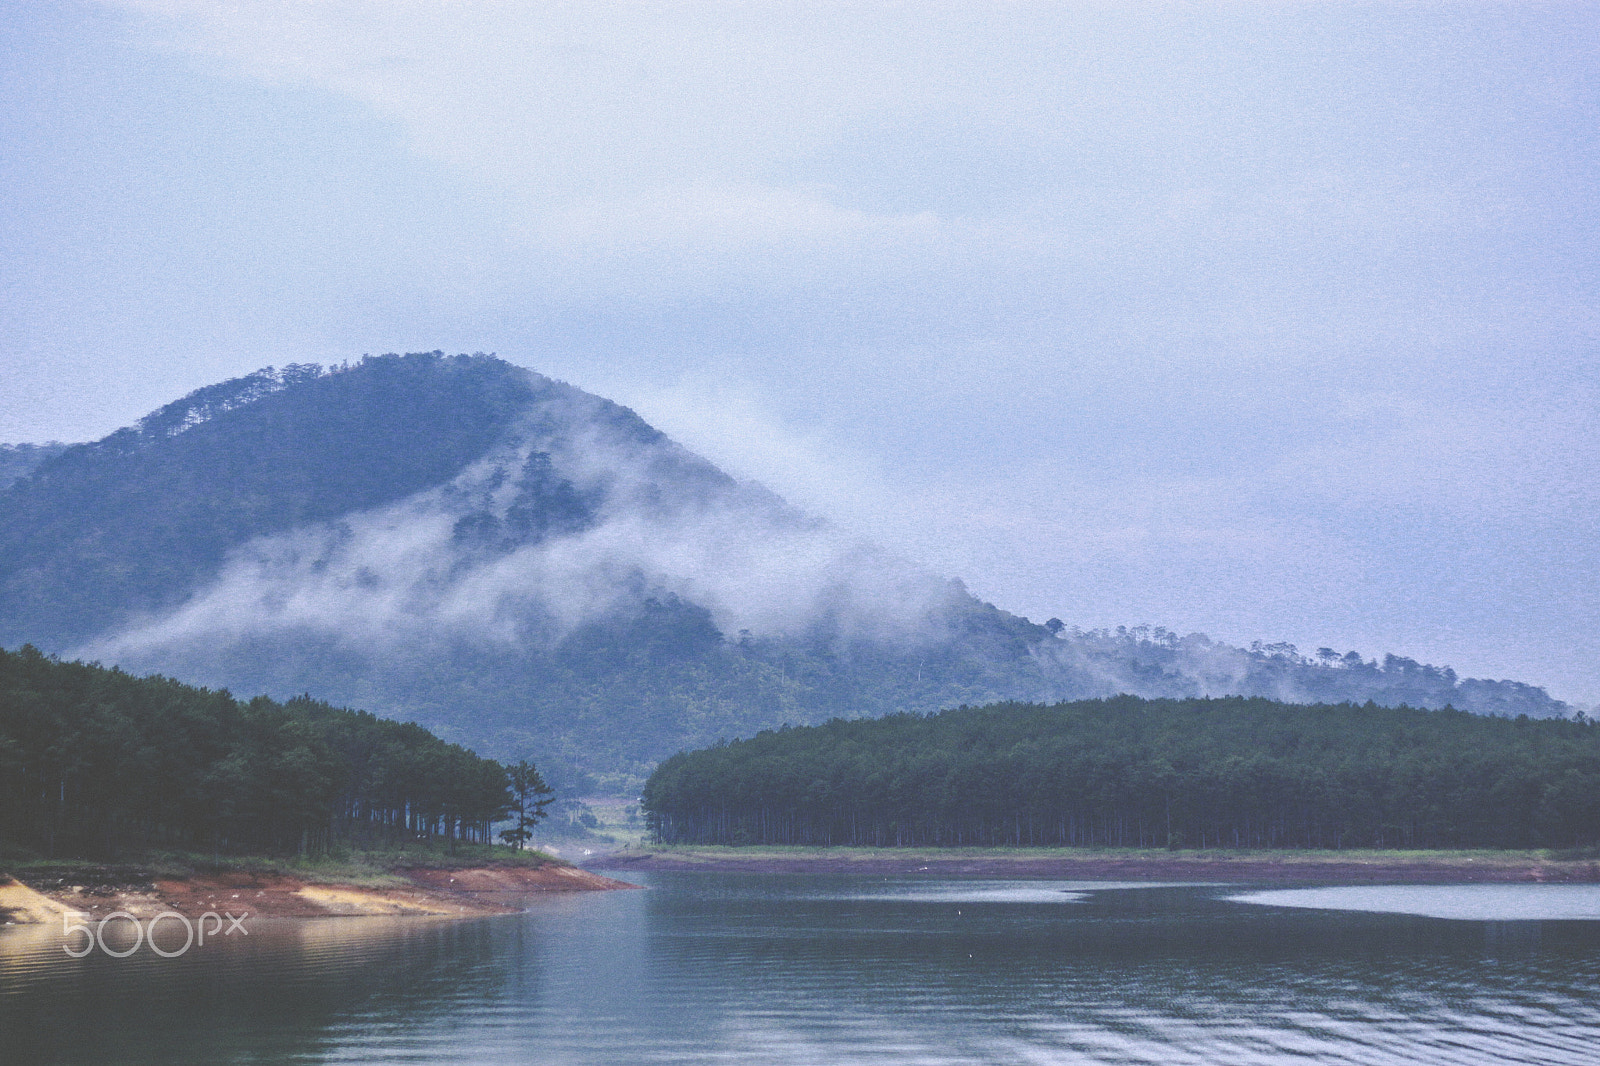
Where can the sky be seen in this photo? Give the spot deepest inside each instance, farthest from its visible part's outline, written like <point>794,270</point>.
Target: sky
<point>1276,322</point>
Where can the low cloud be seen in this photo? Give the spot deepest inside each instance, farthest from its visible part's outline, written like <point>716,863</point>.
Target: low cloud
<point>625,515</point>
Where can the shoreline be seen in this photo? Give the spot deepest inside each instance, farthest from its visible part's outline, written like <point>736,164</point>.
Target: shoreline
<point>1297,867</point>
<point>404,891</point>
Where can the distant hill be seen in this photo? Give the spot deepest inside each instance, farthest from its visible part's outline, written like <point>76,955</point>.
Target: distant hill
<point>534,570</point>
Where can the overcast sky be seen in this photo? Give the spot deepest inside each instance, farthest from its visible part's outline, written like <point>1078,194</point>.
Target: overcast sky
<point>1273,322</point>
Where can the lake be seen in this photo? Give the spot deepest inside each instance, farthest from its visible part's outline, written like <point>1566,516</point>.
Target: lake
<point>788,969</point>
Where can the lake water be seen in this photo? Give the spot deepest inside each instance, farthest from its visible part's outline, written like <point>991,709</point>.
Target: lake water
<point>740,968</point>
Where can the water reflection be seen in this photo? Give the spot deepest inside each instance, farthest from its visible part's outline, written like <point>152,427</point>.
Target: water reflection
<point>1480,903</point>
<point>793,969</point>
<point>899,890</point>
<point>278,994</point>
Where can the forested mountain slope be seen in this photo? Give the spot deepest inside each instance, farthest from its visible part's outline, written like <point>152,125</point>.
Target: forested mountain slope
<point>534,570</point>
<point>19,460</point>
<point>139,520</point>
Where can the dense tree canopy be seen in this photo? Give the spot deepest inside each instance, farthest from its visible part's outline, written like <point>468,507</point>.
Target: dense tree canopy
<point>96,761</point>
<point>1128,771</point>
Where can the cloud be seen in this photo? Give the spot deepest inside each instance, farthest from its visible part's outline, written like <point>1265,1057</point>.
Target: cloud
<point>644,519</point>
<point>632,145</point>
<point>1273,322</point>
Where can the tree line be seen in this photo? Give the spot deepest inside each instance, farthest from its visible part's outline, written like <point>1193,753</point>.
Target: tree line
<point>1125,771</point>
<point>95,761</point>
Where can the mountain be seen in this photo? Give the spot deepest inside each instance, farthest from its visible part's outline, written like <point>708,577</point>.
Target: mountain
<point>534,570</point>
<point>18,460</point>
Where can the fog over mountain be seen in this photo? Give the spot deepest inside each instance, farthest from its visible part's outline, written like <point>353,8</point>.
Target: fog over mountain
<point>535,570</point>
<point>578,513</point>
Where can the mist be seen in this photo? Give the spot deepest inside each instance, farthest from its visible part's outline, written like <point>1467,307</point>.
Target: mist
<point>580,518</point>
<point>583,517</point>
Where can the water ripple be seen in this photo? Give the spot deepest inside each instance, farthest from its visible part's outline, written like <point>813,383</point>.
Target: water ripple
<point>797,971</point>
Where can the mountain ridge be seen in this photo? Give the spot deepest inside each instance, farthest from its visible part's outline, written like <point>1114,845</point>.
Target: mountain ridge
<point>530,568</point>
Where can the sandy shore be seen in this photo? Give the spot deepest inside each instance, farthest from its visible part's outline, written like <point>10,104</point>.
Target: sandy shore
<point>420,891</point>
<point>1288,867</point>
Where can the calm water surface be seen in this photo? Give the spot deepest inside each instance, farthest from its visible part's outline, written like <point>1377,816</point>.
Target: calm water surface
<point>740,968</point>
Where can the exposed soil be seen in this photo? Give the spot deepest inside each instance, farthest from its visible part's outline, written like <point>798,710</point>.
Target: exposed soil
<point>506,887</point>
<point>1152,867</point>
<point>21,905</point>
<point>417,892</point>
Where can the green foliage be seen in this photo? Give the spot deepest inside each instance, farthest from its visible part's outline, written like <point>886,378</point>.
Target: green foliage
<point>530,797</point>
<point>1148,773</point>
<point>96,761</point>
